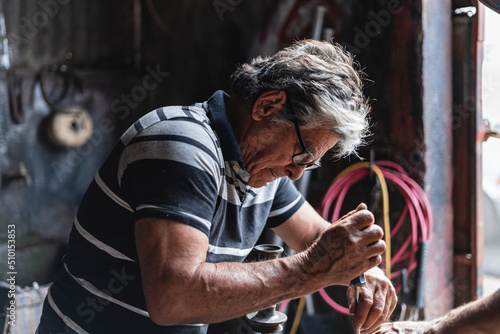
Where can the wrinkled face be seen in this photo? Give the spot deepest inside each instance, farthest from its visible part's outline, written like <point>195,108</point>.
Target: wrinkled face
<point>267,154</point>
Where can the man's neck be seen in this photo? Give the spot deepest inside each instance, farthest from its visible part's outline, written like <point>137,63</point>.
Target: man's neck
<point>239,117</point>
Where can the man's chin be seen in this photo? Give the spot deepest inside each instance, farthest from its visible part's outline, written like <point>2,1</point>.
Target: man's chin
<point>258,182</point>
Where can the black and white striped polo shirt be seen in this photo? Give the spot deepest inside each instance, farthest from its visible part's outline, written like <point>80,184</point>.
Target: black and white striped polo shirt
<point>177,163</point>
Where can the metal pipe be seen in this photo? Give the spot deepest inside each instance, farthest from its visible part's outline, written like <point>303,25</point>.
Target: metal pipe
<point>319,15</point>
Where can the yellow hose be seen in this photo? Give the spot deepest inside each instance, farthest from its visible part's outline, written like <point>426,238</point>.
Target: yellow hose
<point>385,206</point>
<point>298,315</point>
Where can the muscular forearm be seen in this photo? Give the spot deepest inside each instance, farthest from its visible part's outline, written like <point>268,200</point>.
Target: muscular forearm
<point>221,291</point>
<point>480,316</point>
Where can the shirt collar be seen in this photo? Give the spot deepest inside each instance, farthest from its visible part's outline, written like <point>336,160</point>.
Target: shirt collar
<point>216,110</point>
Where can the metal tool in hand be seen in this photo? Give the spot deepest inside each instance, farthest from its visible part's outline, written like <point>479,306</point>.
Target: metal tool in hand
<point>358,282</point>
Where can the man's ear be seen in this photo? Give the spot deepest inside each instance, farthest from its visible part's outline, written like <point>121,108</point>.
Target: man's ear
<point>268,103</point>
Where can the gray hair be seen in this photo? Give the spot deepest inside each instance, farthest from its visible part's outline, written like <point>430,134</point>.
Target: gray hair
<point>323,86</point>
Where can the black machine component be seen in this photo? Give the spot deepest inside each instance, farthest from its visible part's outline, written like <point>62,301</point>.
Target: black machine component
<point>268,320</point>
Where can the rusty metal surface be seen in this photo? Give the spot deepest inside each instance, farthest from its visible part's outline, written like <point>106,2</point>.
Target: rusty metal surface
<point>405,119</point>
<point>466,156</point>
<point>91,33</point>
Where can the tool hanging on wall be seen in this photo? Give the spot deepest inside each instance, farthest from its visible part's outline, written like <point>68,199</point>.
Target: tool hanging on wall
<point>68,125</point>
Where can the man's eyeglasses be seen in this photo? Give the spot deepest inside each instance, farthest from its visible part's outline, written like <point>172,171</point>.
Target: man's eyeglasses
<point>304,158</point>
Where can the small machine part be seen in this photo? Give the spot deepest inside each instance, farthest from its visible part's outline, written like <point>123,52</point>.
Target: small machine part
<point>268,320</point>
<point>358,282</point>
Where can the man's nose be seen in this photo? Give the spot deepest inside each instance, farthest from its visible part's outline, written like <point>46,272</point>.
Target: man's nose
<point>294,171</point>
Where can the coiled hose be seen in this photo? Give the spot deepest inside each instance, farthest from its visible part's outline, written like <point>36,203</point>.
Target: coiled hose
<point>416,205</point>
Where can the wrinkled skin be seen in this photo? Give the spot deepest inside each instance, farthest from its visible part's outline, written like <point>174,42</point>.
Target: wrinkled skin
<point>406,327</point>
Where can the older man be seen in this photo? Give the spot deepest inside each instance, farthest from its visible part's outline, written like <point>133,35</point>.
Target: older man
<point>159,239</point>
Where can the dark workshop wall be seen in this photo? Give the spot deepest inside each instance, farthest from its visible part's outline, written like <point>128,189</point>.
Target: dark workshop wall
<point>117,60</point>
<point>41,183</point>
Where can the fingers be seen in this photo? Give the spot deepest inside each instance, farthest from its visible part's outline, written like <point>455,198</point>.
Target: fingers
<point>371,244</point>
<point>361,219</point>
<point>351,298</point>
<point>372,234</point>
<point>376,248</point>
<point>363,308</point>
<point>361,206</point>
<point>374,261</point>
<point>379,311</point>
<point>377,301</point>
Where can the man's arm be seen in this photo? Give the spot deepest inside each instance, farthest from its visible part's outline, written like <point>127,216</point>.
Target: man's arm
<point>181,288</point>
<point>302,228</point>
<point>478,317</point>
<point>377,299</point>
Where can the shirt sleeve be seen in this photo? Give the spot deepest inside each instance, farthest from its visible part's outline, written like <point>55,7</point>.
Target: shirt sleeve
<point>173,177</point>
<point>286,202</point>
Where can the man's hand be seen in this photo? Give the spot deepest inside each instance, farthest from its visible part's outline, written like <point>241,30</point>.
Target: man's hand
<point>347,248</point>
<point>377,300</point>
